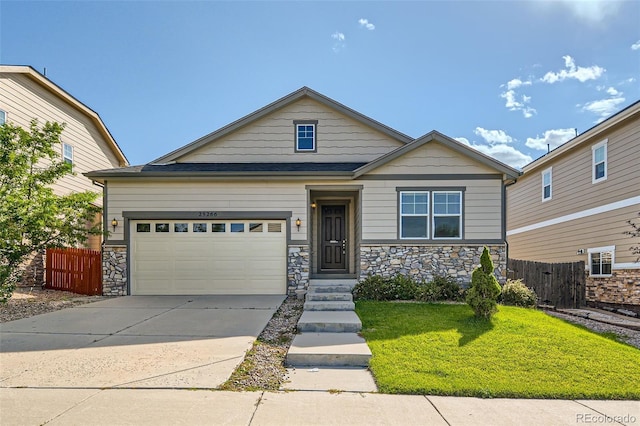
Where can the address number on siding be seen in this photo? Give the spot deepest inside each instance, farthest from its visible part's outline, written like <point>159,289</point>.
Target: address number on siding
<point>207,214</point>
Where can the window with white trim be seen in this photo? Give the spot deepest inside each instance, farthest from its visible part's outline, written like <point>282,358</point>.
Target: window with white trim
<point>547,177</point>
<point>601,261</point>
<point>447,215</point>
<point>414,214</point>
<point>599,161</point>
<point>67,153</point>
<point>3,117</point>
<point>305,136</point>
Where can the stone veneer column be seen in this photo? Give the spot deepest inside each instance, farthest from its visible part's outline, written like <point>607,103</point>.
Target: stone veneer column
<point>297,268</point>
<point>422,262</point>
<point>622,288</point>
<point>114,270</point>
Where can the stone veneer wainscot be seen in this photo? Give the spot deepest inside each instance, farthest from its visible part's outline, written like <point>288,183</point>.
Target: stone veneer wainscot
<point>297,268</point>
<point>621,289</point>
<point>114,270</point>
<point>422,262</point>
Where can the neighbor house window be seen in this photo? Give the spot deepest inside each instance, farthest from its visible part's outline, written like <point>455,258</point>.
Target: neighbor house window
<point>599,167</point>
<point>67,153</point>
<point>447,215</point>
<point>414,214</point>
<point>546,184</point>
<point>3,117</point>
<point>601,260</point>
<point>305,135</point>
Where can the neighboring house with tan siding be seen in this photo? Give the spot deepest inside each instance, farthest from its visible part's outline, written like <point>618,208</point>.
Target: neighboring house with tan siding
<point>573,204</point>
<point>302,188</point>
<point>25,94</point>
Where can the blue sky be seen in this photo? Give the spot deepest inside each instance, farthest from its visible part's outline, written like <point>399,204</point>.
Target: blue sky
<point>506,77</point>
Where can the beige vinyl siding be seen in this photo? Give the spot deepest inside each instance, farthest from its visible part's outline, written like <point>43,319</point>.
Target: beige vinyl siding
<point>379,202</point>
<point>561,242</point>
<point>271,139</point>
<point>482,211</point>
<point>432,158</point>
<point>23,100</point>
<point>573,190</point>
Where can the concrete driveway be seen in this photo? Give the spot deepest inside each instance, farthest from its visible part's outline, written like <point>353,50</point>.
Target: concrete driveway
<point>134,342</point>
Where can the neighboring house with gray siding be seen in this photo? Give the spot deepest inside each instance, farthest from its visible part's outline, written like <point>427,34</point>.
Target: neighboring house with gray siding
<point>573,204</point>
<point>302,188</point>
<point>86,143</point>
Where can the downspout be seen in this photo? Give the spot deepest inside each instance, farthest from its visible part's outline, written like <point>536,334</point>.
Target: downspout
<point>504,219</point>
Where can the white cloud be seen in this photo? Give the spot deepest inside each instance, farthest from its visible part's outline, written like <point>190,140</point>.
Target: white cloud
<point>591,11</point>
<point>516,82</point>
<point>636,45</point>
<point>603,108</point>
<point>339,43</point>
<point>612,91</point>
<point>554,138</point>
<point>581,74</point>
<point>493,136</point>
<point>501,152</point>
<point>512,102</point>
<point>366,24</point>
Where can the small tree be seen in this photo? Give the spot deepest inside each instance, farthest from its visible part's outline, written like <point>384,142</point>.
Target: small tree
<point>485,289</point>
<point>32,217</point>
<point>634,233</point>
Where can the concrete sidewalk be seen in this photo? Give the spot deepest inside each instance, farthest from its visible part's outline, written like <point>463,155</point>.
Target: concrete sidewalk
<point>171,407</point>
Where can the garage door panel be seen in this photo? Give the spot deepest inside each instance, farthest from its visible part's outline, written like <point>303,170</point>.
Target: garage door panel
<point>208,262</point>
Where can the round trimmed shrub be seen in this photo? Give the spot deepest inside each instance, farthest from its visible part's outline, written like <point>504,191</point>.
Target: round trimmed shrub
<point>515,293</point>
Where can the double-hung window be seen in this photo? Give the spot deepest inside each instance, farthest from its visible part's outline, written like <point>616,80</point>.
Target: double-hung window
<point>3,117</point>
<point>414,214</point>
<point>67,153</point>
<point>435,214</point>
<point>447,215</point>
<point>601,260</point>
<point>305,135</point>
<point>599,161</point>
<point>547,177</point>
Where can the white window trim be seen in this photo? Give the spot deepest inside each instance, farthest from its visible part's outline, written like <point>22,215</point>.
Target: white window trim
<point>64,157</point>
<point>550,172</point>
<point>428,193</point>
<point>593,162</point>
<point>611,249</point>
<point>433,215</point>
<point>313,149</point>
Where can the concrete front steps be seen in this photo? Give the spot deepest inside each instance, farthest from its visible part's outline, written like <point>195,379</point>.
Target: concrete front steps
<point>329,328</point>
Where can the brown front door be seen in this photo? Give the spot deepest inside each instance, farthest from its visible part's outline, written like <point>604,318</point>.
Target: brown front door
<point>333,250</point>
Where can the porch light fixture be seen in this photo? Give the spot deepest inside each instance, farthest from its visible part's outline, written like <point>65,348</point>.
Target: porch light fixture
<point>114,223</point>
<point>313,204</point>
<point>298,223</point>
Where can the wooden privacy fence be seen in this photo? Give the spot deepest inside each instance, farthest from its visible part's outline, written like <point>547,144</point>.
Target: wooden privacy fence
<point>75,270</point>
<point>559,284</point>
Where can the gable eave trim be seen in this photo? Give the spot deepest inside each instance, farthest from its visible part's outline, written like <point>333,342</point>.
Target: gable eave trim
<point>274,106</point>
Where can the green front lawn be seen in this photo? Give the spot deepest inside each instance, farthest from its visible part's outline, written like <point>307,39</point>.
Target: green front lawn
<point>441,349</point>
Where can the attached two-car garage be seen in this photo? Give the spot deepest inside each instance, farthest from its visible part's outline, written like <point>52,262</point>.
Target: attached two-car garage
<point>172,257</point>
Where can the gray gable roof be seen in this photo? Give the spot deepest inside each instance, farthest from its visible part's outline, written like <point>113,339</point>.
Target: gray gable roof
<point>274,106</point>
<point>229,169</point>
<point>449,143</point>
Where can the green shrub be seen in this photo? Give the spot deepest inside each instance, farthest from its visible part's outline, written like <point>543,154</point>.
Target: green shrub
<point>441,287</point>
<point>375,287</point>
<point>485,289</point>
<point>515,293</point>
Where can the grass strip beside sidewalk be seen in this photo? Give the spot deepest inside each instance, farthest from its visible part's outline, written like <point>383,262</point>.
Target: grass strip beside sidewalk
<point>442,349</point>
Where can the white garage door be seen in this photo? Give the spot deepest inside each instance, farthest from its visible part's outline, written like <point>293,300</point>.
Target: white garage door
<point>208,257</point>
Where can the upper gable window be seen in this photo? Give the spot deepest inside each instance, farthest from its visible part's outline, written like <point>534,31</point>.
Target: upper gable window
<point>305,135</point>
<point>546,184</point>
<point>599,161</point>
<point>67,153</point>
<point>3,117</point>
